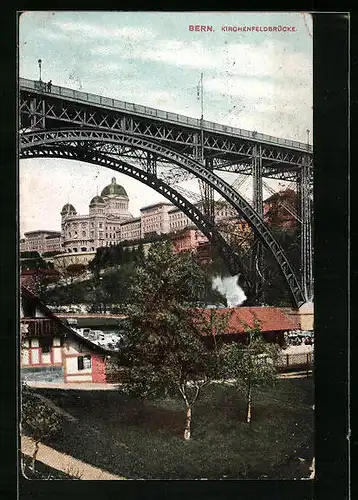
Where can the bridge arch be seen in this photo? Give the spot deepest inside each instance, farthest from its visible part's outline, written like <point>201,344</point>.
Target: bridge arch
<point>41,144</point>
<point>162,188</point>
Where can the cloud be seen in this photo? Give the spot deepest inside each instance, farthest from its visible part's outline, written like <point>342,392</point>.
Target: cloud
<point>259,89</point>
<point>104,32</point>
<point>262,60</point>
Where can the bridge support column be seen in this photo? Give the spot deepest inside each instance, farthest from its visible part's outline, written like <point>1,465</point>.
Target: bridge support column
<point>257,252</point>
<point>151,163</point>
<point>305,192</point>
<point>33,112</point>
<point>38,113</point>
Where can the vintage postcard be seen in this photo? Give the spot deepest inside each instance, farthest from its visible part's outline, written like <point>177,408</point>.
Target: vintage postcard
<point>166,213</point>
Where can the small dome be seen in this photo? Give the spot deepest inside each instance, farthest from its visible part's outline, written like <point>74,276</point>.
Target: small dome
<point>114,189</point>
<point>97,200</point>
<point>68,209</point>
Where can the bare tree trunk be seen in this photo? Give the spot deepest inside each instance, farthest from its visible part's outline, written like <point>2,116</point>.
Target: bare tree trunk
<point>187,423</point>
<point>248,409</point>
<point>37,445</point>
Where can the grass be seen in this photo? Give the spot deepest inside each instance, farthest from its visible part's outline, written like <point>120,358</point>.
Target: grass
<point>139,439</point>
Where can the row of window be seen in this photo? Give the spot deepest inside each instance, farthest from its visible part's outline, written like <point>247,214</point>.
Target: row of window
<point>153,227</point>
<point>44,343</point>
<point>154,218</point>
<point>83,362</point>
<point>175,215</point>
<point>131,234</point>
<point>179,223</point>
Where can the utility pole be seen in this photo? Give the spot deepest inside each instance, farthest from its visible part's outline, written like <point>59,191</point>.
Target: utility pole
<point>40,63</point>
<point>200,94</point>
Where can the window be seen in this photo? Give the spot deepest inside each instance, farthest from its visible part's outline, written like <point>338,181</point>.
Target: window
<point>84,362</point>
<point>100,225</point>
<point>45,344</point>
<point>84,234</point>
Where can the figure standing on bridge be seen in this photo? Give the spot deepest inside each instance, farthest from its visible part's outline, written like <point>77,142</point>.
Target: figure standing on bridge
<point>49,86</point>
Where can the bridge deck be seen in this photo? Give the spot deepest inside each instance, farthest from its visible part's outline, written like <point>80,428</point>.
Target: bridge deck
<point>160,115</point>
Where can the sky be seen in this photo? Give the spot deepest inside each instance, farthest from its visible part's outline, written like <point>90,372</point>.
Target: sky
<point>253,80</point>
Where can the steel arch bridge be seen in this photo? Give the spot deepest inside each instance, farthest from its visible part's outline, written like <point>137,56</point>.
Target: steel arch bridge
<point>168,148</point>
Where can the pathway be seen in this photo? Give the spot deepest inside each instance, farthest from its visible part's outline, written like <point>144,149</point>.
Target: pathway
<point>65,463</point>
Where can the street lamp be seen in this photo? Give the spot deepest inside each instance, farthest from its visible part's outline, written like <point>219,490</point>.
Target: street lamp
<point>40,62</point>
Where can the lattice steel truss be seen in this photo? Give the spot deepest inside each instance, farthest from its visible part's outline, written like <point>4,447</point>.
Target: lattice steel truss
<point>165,153</point>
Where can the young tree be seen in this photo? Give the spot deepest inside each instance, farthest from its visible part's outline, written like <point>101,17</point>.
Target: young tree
<point>252,365</point>
<point>166,353</point>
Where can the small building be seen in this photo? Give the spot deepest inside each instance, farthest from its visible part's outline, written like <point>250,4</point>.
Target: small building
<point>188,240</point>
<point>52,351</point>
<point>274,322</point>
<point>281,209</point>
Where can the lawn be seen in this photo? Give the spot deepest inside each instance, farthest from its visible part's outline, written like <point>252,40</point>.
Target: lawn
<point>140,439</point>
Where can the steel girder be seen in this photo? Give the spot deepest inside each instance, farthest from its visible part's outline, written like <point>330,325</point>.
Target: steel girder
<point>46,111</point>
<point>69,138</point>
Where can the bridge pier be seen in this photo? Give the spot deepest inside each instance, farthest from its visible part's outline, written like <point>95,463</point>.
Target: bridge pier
<point>305,194</point>
<point>257,260</point>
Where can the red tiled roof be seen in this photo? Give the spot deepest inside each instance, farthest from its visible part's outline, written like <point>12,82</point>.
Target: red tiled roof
<point>270,318</point>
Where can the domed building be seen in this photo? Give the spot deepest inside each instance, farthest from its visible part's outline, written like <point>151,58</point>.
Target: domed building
<point>101,227</point>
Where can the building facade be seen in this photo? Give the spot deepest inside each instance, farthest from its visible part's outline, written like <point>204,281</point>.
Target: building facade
<point>109,222</point>
<point>101,227</point>
<point>281,209</point>
<point>155,219</point>
<point>51,351</point>
<point>188,240</point>
<point>130,229</point>
<point>41,241</point>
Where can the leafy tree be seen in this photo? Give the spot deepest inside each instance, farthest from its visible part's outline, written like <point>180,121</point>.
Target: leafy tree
<point>251,365</point>
<point>212,325</point>
<point>166,353</point>
<point>38,419</point>
<point>39,280</point>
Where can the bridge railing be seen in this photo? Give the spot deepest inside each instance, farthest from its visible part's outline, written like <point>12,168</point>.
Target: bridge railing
<point>108,102</point>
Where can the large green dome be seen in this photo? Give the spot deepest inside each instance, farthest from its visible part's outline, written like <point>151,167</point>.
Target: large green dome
<point>114,189</point>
